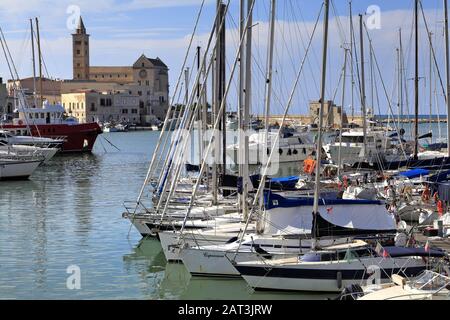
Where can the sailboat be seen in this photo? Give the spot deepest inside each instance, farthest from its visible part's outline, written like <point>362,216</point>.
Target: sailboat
<point>331,268</point>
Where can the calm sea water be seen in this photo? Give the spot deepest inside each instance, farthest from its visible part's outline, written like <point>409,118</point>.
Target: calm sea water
<point>69,213</point>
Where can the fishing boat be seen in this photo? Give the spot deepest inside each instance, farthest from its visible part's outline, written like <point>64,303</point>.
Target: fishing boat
<point>50,122</point>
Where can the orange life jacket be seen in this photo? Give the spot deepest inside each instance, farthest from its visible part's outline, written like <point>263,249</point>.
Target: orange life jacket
<point>309,165</point>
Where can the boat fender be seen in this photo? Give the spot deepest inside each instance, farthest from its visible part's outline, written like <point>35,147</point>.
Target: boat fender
<point>339,279</point>
<point>440,207</point>
<point>345,182</point>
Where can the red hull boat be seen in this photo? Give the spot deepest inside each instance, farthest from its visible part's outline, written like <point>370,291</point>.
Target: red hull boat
<point>77,137</point>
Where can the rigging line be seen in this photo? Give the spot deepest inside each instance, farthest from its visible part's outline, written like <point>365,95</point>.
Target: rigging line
<point>182,116</point>
<point>382,82</point>
<point>432,50</point>
<point>272,152</point>
<point>314,54</point>
<point>152,163</point>
<point>218,119</point>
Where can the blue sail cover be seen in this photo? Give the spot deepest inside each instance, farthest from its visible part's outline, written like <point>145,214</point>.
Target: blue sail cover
<point>415,173</point>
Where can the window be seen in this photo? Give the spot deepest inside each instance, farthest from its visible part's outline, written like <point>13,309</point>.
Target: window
<point>78,43</point>
<point>140,93</point>
<point>78,51</point>
<point>147,83</point>
<point>102,102</point>
<point>148,93</point>
<point>135,111</point>
<point>124,111</point>
<point>130,92</point>
<point>143,64</point>
<point>141,104</point>
<point>78,64</point>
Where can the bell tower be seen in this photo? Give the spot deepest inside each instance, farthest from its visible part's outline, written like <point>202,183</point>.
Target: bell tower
<point>80,45</point>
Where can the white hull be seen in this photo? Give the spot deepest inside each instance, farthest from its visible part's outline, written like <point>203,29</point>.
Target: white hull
<point>323,276</point>
<point>217,260</point>
<point>16,169</point>
<point>19,150</point>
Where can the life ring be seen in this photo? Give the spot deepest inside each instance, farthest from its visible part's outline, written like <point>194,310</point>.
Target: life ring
<point>20,122</point>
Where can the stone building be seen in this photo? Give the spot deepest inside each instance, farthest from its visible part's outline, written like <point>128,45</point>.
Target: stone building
<point>93,106</point>
<point>147,78</point>
<point>51,90</point>
<point>331,114</point>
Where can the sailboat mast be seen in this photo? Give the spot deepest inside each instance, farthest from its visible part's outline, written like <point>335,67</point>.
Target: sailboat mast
<point>269,83</point>
<point>34,63</point>
<point>242,200</point>
<point>40,61</point>
<point>248,100</point>
<point>363,85</point>
<point>344,79</point>
<point>416,80</point>
<point>321,111</point>
<point>447,69</point>
<point>351,61</point>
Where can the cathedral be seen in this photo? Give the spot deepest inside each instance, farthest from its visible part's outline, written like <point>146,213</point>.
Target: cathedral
<point>147,78</point>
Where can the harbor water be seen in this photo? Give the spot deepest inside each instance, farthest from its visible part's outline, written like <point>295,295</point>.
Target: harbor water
<point>68,217</point>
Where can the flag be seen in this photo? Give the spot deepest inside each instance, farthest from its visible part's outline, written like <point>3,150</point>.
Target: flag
<point>330,210</point>
<point>378,248</point>
<point>385,253</point>
<point>427,247</point>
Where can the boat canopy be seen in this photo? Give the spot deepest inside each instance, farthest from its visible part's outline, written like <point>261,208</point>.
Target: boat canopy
<point>415,173</point>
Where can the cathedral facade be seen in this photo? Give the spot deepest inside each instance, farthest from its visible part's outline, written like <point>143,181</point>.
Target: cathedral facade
<point>146,78</point>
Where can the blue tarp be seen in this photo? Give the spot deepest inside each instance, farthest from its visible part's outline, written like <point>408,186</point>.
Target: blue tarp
<point>416,173</point>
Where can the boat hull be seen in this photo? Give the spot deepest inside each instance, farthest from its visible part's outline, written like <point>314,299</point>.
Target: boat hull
<point>17,170</point>
<point>77,137</point>
<point>331,277</point>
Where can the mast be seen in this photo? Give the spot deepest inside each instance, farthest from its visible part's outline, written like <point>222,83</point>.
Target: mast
<point>322,106</point>
<point>363,85</point>
<point>34,63</point>
<point>344,76</point>
<point>447,69</point>
<point>40,61</point>
<point>351,61</point>
<point>222,82</point>
<point>400,78</point>
<point>269,82</point>
<point>430,82</point>
<point>242,200</point>
<point>416,80</point>
<point>247,101</point>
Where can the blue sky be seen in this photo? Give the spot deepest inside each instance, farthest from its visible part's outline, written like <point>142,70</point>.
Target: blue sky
<point>121,30</point>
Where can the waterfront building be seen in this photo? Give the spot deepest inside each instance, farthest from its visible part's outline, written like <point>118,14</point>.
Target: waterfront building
<point>94,106</point>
